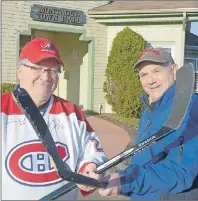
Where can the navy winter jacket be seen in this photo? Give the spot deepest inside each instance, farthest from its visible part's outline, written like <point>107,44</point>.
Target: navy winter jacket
<point>169,168</point>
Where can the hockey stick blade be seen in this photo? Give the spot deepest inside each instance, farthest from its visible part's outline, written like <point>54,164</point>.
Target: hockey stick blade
<point>184,88</point>
<point>38,123</point>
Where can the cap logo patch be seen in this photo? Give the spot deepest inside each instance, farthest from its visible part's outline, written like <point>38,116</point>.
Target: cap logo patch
<point>156,52</point>
<point>47,47</point>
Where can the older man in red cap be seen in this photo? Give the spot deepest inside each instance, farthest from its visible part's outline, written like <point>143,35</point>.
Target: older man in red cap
<point>27,170</point>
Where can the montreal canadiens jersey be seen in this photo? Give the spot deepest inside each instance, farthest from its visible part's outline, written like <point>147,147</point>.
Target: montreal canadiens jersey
<point>27,173</point>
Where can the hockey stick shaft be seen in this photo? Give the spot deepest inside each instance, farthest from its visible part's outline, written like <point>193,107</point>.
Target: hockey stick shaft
<point>133,150</point>
<point>110,163</point>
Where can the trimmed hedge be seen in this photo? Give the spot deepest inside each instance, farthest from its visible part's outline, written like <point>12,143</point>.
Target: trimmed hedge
<point>6,87</point>
<point>122,86</point>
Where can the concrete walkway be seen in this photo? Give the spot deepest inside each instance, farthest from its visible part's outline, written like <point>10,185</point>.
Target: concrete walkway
<point>114,140</point>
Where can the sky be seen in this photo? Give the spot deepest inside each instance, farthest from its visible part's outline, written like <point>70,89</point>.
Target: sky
<point>194,28</point>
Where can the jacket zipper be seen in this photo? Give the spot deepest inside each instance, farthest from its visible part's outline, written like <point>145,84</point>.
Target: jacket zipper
<point>181,144</point>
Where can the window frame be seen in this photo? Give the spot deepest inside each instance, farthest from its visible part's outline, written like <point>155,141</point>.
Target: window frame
<point>196,62</point>
<point>172,47</point>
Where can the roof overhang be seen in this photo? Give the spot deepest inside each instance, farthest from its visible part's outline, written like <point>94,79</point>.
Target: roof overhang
<point>137,16</point>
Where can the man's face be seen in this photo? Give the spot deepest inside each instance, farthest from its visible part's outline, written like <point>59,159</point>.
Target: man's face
<point>38,83</point>
<point>156,78</point>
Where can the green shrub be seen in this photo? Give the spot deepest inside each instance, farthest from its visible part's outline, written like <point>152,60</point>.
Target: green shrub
<point>122,86</point>
<point>6,87</point>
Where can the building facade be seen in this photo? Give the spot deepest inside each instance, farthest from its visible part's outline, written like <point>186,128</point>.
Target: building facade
<point>84,31</point>
<point>161,23</point>
<point>82,44</point>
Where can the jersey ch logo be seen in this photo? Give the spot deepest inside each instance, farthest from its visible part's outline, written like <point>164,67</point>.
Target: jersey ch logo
<point>29,164</point>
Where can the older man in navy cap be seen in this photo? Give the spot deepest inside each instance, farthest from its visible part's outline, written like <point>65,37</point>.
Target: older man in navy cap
<point>161,171</point>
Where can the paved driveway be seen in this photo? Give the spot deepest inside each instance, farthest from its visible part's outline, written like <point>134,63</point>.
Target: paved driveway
<point>114,140</point>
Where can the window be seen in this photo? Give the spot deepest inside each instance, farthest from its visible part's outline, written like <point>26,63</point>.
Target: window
<point>23,40</point>
<point>194,61</point>
<point>168,48</point>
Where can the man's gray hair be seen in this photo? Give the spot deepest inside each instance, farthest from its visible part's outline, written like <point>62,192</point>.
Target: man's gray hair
<point>23,61</point>
<point>171,62</point>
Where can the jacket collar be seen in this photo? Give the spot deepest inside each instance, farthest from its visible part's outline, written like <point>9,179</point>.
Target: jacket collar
<point>168,95</point>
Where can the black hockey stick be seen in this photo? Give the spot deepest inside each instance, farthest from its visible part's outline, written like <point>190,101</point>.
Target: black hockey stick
<point>38,123</point>
<point>184,88</point>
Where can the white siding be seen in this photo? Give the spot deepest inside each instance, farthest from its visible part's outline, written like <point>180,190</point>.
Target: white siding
<point>100,60</point>
<point>156,35</point>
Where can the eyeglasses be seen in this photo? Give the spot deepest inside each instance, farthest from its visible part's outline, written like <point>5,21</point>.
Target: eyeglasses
<point>38,70</point>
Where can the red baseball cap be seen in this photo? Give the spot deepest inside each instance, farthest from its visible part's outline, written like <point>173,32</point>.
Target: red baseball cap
<point>40,49</point>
